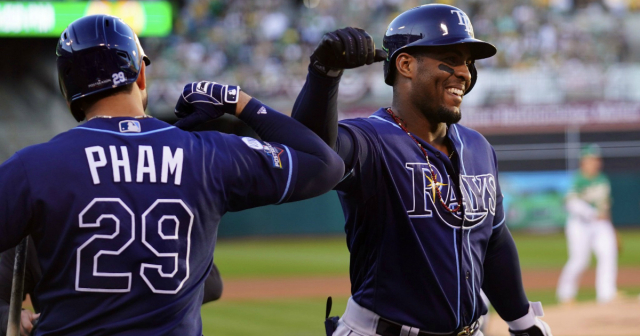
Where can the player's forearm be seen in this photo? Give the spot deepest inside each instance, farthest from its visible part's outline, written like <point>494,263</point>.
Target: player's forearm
<point>317,106</point>
<point>320,168</point>
<point>502,277</point>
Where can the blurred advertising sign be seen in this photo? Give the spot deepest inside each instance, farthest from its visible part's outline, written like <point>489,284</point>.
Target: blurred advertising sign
<point>50,18</point>
<point>611,115</point>
<point>535,200</point>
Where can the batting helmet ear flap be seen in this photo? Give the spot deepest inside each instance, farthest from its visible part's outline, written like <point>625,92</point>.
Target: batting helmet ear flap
<point>474,76</point>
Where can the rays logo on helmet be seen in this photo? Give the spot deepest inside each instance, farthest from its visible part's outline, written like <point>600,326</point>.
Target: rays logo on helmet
<point>464,21</point>
<point>129,126</point>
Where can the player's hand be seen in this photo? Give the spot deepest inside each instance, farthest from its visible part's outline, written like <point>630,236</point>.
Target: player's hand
<point>541,328</point>
<point>345,48</point>
<point>204,101</point>
<point>27,319</point>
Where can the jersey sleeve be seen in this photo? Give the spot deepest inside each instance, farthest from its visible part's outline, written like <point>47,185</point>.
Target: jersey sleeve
<point>359,149</point>
<point>255,173</point>
<point>15,204</point>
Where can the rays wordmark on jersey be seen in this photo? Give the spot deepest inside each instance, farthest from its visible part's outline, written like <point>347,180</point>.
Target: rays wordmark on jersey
<point>478,195</point>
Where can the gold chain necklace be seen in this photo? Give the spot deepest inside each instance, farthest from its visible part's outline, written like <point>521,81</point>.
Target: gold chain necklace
<point>424,151</point>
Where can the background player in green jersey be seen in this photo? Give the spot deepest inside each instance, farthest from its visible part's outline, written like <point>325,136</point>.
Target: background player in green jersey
<point>589,228</point>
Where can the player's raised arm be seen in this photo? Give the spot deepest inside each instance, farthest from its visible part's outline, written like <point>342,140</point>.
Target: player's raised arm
<point>317,104</point>
<point>292,163</point>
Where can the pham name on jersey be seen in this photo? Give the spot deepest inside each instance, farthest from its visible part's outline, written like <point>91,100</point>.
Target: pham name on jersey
<point>146,168</point>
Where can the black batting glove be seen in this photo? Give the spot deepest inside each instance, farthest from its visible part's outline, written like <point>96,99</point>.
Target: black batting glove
<point>204,101</point>
<point>345,48</point>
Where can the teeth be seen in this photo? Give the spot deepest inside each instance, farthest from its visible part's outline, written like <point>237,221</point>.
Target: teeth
<point>455,91</point>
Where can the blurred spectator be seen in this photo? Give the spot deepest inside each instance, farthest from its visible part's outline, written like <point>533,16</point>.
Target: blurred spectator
<point>264,45</point>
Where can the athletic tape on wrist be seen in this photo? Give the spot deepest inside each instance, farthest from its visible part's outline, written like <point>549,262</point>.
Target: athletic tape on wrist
<point>528,320</point>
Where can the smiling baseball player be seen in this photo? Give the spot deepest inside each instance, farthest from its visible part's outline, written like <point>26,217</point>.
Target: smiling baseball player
<point>423,206</point>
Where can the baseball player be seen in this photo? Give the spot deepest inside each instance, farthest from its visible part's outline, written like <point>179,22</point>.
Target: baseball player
<point>212,288</point>
<point>423,207</point>
<point>589,228</point>
<point>124,209</point>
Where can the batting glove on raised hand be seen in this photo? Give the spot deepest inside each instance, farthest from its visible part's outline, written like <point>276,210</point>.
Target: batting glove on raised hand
<point>345,48</point>
<point>204,101</point>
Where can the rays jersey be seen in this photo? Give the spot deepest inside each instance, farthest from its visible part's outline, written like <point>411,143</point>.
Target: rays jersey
<point>413,261</point>
<point>124,214</point>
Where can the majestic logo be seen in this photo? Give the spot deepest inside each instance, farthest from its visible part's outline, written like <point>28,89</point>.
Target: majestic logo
<point>130,126</point>
<point>478,194</point>
<point>253,143</point>
<point>463,20</point>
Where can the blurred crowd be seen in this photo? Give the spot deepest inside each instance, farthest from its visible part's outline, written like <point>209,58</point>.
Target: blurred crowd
<point>265,45</point>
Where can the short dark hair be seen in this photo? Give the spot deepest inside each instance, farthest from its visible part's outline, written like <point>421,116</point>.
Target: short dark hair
<point>82,105</point>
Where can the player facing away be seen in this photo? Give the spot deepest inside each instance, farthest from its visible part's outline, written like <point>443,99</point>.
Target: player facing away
<point>589,228</point>
<point>424,218</point>
<point>124,209</point>
<point>33,273</point>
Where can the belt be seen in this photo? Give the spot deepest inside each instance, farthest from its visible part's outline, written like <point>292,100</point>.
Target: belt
<point>389,328</point>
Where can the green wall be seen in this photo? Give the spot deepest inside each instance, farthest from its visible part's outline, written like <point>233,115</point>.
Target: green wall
<point>320,215</point>
<point>625,189</point>
<point>323,215</point>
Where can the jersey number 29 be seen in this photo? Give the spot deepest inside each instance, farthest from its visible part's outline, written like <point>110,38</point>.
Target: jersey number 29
<point>166,232</point>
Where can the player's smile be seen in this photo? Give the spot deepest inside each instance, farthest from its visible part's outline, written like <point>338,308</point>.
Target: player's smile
<point>455,93</point>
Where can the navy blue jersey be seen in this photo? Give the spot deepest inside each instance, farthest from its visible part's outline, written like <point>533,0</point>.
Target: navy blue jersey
<point>124,214</point>
<point>412,260</point>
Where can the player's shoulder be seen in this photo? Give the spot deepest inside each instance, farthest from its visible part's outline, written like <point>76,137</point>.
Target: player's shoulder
<point>372,124</point>
<point>469,137</point>
<point>96,132</point>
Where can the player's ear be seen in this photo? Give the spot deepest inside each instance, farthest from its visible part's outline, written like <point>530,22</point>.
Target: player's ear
<point>405,65</point>
<point>142,79</point>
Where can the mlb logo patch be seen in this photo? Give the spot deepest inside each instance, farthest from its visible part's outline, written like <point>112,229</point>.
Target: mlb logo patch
<point>130,126</point>
<point>231,94</point>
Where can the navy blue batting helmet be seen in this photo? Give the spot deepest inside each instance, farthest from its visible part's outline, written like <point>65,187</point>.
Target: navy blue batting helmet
<point>97,53</point>
<point>428,26</point>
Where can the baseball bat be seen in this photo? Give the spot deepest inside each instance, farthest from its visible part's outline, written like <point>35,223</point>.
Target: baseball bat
<point>17,288</point>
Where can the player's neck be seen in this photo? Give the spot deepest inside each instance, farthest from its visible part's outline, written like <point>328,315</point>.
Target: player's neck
<point>419,125</point>
<point>119,105</point>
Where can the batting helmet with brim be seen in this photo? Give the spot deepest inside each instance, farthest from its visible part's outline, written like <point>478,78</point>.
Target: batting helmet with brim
<point>97,53</point>
<point>429,26</point>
